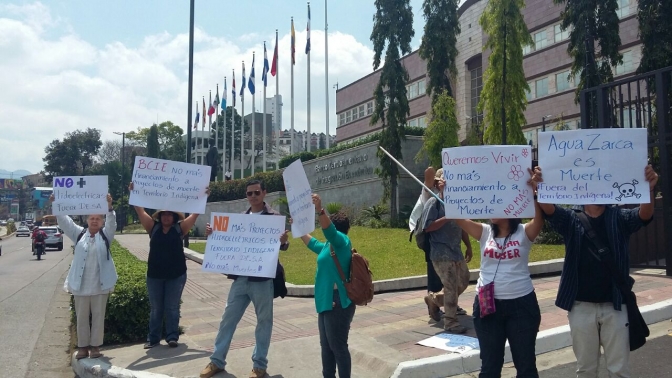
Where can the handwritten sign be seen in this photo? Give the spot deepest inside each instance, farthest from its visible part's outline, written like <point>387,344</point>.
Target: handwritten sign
<point>243,244</point>
<point>487,182</point>
<point>169,185</point>
<point>80,195</point>
<point>451,343</point>
<point>593,166</point>
<point>299,199</point>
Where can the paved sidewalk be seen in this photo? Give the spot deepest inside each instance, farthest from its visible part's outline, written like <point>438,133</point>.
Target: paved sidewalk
<point>383,334</point>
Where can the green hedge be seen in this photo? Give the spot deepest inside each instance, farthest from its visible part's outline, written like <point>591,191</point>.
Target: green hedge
<point>235,189</point>
<point>305,156</point>
<point>127,314</point>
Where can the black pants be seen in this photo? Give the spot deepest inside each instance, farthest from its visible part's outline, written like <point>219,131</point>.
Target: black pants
<point>433,280</point>
<point>516,320</point>
<point>334,326</point>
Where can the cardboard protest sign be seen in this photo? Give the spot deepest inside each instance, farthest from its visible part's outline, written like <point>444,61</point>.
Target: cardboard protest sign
<point>169,185</point>
<point>593,166</point>
<point>487,182</point>
<point>244,244</point>
<point>299,199</point>
<point>80,195</point>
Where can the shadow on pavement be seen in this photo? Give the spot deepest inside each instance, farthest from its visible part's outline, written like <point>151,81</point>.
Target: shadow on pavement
<point>162,356</point>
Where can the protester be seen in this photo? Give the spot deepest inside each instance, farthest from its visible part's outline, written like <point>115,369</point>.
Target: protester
<point>597,315</point>
<point>434,299</point>
<point>446,256</point>
<point>92,276</point>
<point>166,270</point>
<point>334,309</point>
<point>258,290</point>
<point>505,254</point>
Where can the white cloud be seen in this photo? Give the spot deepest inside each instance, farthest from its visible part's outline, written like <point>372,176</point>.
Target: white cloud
<point>54,81</point>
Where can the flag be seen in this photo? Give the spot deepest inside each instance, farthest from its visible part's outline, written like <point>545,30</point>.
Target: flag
<point>293,44</point>
<point>224,96</point>
<point>216,102</point>
<point>233,89</point>
<point>264,73</point>
<point>242,87</point>
<point>250,84</point>
<point>211,108</point>
<point>308,32</point>
<point>203,126</point>
<point>274,65</point>
<point>198,116</point>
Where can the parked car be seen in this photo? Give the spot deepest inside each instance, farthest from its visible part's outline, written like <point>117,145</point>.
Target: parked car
<point>54,237</point>
<point>3,222</point>
<point>23,231</point>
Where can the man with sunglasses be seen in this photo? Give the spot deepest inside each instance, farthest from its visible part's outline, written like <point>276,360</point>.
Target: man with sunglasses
<point>258,290</point>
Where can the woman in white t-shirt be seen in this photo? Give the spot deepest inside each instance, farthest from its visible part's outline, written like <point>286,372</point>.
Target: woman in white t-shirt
<point>505,252</point>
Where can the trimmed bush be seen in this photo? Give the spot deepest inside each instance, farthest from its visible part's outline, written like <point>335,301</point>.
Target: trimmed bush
<point>235,189</point>
<point>11,227</point>
<point>127,313</point>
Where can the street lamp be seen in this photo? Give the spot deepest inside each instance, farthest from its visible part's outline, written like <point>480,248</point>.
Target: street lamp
<point>543,122</point>
<point>123,210</point>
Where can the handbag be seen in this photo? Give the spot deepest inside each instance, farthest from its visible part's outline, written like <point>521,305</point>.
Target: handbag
<point>359,286</point>
<point>637,327</point>
<point>486,293</point>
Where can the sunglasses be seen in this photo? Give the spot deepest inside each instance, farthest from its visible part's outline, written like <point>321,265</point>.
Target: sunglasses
<point>255,192</point>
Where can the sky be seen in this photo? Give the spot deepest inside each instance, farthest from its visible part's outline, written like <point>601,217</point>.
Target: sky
<point>120,65</point>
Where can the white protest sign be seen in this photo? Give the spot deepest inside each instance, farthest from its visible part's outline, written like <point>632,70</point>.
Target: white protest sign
<point>593,166</point>
<point>487,182</point>
<point>80,195</point>
<point>299,199</point>
<point>169,185</point>
<point>243,244</point>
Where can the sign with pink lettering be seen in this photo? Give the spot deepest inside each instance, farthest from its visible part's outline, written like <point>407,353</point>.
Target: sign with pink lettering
<point>485,182</point>
<point>169,185</point>
<point>593,166</point>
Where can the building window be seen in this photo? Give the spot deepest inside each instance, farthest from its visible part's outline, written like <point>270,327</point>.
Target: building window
<point>413,122</point>
<point>626,66</point>
<point>348,116</point>
<point>361,111</point>
<point>563,82</point>
<point>475,94</point>
<point>369,108</point>
<point>530,94</point>
<point>422,122</point>
<point>541,87</point>
<point>341,119</point>
<point>540,40</point>
<point>421,87</point>
<point>412,91</point>
<point>527,49</point>
<point>560,35</point>
<point>623,8</point>
<point>355,115</point>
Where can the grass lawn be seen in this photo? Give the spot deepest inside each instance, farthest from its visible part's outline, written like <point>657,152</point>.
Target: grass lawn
<point>389,253</point>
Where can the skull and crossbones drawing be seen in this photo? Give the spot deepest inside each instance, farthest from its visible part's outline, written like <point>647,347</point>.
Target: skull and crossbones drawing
<point>627,190</point>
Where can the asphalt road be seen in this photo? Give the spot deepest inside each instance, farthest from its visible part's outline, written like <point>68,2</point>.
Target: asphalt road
<point>27,291</point>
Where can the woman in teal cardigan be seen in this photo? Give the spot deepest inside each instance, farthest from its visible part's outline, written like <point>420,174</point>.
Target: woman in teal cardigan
<point>334,308</point>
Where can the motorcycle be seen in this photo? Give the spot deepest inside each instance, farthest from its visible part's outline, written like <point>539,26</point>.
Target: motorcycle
<point>39,249</point>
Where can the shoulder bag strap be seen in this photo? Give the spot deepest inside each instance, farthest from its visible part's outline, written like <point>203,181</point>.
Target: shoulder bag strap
<point>602,254</point>
<point>338,264</point>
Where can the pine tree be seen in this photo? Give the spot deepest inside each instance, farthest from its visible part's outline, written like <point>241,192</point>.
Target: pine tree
<point>503,98</point>
<point>392,33</point>
<point>438,47</point>
<point>153,149</point>
<point>441,131</point>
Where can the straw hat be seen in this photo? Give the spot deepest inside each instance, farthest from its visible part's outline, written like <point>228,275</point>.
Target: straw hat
<point>157,215</point>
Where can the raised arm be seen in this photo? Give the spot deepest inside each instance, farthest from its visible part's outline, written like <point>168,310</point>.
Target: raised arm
<point>533,227</point>
<point>145,220</point>
<point>546,208</point>
<point>189,222</point>
<point>69,227</point>
<point>110,220</point>
<point>646,209</point>
<point>334,237</point>
<point>473,229</point>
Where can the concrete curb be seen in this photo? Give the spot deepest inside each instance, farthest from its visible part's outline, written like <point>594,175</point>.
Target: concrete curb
<point>98,368</point>
<point>405,283</point>
<point>547,341</point>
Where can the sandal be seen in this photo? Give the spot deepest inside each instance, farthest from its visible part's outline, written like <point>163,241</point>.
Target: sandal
<point>82,353</point>
<point>95,353</point>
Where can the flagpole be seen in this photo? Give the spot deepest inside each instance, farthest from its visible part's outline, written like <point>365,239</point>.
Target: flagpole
<point>202,133</point>
<point>209,123</point>
<point>242,127</point>
<point>254,118</point>
<point>326,68</point>
<point>224,132</point>
<point>233,122</point>
<point>216,127</point>
<point>277,105</point>
<point>308,143</point>
<point>263,119</point>
<point>291,146</point>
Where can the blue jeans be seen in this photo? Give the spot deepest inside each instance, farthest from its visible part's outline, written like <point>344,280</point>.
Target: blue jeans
<point>164,300</point>
<point>516,320</point>
<point>334,327</point>
<point>243,291</point>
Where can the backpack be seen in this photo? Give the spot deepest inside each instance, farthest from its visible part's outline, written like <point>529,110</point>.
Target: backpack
<point>102,234</point>
<point>360,284</point>
<point>40,236</point>
<point>421,238</point>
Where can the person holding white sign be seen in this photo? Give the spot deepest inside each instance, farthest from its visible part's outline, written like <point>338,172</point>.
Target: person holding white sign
<point>258,290</point>
<point>166,270</point>
<point>506,307</point>
<point>597,313</point>
<point>335,310</point>
<point>92,275</point>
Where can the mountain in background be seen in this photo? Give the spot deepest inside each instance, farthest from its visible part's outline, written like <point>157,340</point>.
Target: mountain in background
<point>13,175</point>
